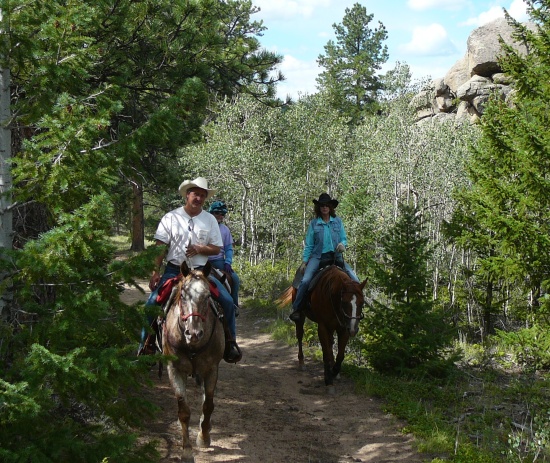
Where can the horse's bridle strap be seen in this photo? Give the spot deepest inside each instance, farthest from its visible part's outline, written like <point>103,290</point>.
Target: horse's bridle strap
<point>192,314</point>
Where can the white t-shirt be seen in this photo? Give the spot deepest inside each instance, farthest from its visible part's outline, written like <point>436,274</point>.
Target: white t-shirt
<point>177,229</point>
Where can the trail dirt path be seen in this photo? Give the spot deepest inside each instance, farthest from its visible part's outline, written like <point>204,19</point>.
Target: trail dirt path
<point>269,411</point>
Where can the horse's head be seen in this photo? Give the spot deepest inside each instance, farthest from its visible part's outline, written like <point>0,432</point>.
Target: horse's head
<point>352,301</point>
<point>192,305</point>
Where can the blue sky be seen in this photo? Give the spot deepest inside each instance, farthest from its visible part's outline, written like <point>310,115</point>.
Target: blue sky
<point>428,35</point>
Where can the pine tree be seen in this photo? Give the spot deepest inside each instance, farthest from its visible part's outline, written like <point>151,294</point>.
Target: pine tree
<point>405,334</point>
<point>102,92</point>
<point>351,64</point>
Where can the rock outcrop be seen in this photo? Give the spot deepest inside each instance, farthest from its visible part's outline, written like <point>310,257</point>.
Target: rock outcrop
<point>467,86</point>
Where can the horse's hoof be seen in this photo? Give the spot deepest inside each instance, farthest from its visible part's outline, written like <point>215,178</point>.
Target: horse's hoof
<point>187,456</point>
<point>203,441</point>
<point>331,390</point>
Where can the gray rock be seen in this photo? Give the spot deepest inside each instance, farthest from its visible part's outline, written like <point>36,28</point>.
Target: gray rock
<point>458,74</point>
<point>484,47</point>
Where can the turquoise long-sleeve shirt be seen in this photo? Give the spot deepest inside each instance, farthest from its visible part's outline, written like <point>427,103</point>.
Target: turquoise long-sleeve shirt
<point>331,233</point>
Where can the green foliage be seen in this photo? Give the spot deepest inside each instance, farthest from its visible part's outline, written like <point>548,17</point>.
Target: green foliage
<point>530,347</point>
<point>350,64</point>
<point>404,333</point>
<point>264,280</point>
<point>70,379</point>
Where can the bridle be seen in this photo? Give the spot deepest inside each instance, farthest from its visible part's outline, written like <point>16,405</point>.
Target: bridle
<point>341,312</point>
<point>191,314</point>
<point>192,353</point>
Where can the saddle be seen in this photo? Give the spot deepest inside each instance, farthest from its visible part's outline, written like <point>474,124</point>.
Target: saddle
<point>223,277</point>
<point>315,279</point>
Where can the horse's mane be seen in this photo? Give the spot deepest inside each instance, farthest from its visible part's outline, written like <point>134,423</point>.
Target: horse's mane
<point>196,274</point>
<point>334,276</point>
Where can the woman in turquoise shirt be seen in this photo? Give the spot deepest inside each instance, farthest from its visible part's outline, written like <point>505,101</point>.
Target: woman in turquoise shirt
<point>325,242</point>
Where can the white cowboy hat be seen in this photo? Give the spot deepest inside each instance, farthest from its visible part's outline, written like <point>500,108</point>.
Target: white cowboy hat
<point>199,182</point>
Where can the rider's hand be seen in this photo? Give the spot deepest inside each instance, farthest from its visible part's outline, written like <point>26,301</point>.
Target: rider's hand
<point>302,268</point>
<point>340,247</point>
<point>154,280</point>
<point>227,268</point>
<point>192,250</point>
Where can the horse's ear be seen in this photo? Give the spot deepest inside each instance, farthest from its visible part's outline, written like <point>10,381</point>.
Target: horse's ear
<point>207,269</point>
<point>363,284</point>
<point>184,268</point>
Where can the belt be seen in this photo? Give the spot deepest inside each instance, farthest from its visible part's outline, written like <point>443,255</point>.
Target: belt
<point>172,266</point>
<point>177,267</point>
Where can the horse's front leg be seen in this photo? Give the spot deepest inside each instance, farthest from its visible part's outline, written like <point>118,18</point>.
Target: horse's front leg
<point>184,413</point>
<point>210,380</point>
<point>326,339</point>
<point>300,337</point>
<point>343,338</point>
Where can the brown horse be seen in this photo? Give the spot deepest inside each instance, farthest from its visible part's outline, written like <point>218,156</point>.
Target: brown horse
<point>194,335</point>
<point>336,306</point>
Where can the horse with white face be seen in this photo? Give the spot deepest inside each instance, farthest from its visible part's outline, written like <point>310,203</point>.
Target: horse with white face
<point>194,335</point>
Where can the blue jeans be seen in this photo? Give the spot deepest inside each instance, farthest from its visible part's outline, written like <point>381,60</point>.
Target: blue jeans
<point>169,272</point>
<point>236,284</point>
<point>313,265</point>
<point>228,307</point>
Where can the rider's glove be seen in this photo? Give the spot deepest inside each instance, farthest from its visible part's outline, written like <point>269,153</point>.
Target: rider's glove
<point>302,268</point>
<point>340,247</point>
<point>227,268</point>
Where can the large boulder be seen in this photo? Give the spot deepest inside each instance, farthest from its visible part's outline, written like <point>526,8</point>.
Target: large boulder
<point>471,81</point>
<point>484,48</point>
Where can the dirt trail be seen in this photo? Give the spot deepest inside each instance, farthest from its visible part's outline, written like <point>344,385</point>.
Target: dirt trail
<point>269,411</point>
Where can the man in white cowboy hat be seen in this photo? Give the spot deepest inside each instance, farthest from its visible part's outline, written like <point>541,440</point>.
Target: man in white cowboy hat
<point>192,234</point>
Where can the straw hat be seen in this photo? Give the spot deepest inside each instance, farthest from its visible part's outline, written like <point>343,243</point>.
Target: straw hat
<point>199,182</point>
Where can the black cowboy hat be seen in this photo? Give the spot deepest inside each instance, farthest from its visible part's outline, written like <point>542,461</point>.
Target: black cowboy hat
<point>324,198</point>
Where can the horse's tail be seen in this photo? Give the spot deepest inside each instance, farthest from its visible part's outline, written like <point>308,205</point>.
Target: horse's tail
<point>285,298</point>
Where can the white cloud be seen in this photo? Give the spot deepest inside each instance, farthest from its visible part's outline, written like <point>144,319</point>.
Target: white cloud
<point>445,4</point>
<point>301,77</point>
<point>485,17</point>
<point>289,9</point>
<point>517,9</point>
<point>429,40</point>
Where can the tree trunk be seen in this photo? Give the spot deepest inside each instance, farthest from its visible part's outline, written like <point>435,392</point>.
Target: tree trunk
<point>6,226</point>
<point>488,310</point>
<point>138,221</point>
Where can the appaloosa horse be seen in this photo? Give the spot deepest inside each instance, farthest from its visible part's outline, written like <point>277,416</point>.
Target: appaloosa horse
<point>336,306</point>
<point>194,334</point>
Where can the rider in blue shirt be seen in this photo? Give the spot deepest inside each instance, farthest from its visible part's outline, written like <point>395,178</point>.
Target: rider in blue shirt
<point>325,242</point>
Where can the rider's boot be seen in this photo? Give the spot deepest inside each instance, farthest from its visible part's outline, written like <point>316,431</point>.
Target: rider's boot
<point>232,352</point>
<point>295,315</point>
